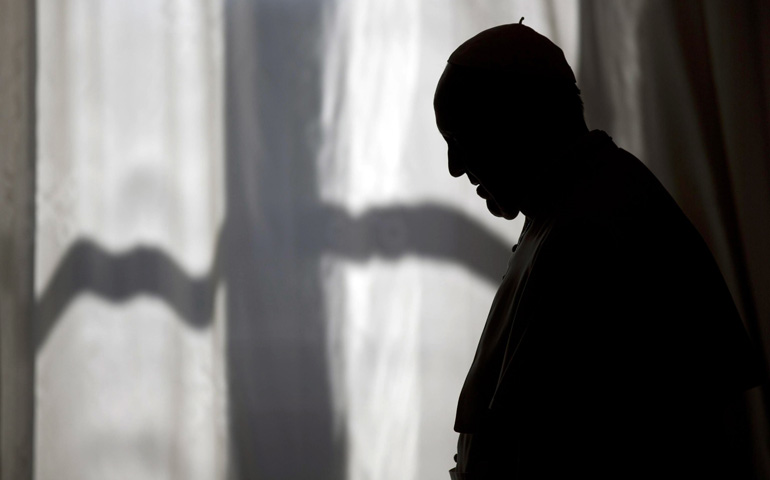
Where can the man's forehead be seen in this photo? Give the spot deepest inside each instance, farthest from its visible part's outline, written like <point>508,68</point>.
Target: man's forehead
<point>468,104</point>
<point>469,130</point>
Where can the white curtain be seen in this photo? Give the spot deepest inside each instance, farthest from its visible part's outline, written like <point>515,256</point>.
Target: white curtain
<point>407,310</point>
<point>130,374</point>
<point>250,260</point>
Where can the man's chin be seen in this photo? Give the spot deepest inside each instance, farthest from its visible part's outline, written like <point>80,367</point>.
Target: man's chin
<point>495,210</point>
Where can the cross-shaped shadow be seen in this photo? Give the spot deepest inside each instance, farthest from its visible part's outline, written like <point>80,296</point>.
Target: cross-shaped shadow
<point>269,251</point>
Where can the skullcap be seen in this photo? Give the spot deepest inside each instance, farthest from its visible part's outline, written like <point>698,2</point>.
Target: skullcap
<point>517,49</point>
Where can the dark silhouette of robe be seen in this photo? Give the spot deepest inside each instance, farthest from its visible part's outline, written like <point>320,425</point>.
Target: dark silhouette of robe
<point>612,344</point>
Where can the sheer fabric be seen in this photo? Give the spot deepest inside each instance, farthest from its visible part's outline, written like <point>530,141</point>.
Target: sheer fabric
<point>249,259</point>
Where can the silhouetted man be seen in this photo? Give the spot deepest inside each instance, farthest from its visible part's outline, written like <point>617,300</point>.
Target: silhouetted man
<point>613,343</point>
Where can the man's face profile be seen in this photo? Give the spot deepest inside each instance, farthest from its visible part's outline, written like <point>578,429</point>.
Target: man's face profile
<point>485,148</point>
<point>481,158</point>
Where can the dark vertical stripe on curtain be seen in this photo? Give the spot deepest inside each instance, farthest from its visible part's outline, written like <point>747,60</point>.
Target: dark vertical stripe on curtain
<point>691,30</point>
<point>17,223</point>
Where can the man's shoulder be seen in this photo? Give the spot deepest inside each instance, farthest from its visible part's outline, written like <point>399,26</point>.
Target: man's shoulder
<point>621,221</point>
<point>621,197</point>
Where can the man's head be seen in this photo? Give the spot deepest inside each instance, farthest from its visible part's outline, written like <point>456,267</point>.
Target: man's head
<point>507,101</point>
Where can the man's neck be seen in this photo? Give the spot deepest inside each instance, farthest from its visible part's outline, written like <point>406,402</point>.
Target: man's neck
<point>561,168</point>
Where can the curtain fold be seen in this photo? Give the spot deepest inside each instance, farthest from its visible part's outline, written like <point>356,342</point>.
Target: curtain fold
<point>130,324</point>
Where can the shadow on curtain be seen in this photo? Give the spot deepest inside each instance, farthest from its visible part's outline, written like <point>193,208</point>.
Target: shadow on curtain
<point>269,252</point>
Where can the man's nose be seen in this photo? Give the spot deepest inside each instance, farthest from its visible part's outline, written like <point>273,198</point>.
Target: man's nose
<point>456,168</point>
